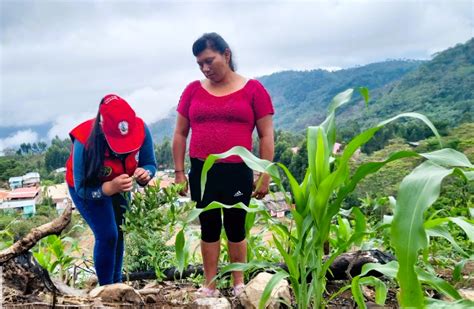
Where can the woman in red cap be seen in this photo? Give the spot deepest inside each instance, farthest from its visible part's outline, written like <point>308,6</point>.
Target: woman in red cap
<point>108,153</point>
<point>222,111</point>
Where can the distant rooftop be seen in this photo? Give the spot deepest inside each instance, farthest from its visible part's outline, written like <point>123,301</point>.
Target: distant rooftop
<point>22,193</point>
<point>15,179</point>
<point>31,175</point>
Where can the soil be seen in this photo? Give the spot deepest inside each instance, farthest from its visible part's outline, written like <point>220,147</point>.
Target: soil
<point>172,295</point>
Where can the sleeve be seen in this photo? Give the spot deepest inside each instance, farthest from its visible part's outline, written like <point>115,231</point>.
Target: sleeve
<point>185,99</point>
<point>90,193</point>
<point>146,158</point>
<point>262,103</point>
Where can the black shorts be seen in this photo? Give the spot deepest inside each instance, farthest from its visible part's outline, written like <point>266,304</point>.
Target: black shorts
<point>228,183</point>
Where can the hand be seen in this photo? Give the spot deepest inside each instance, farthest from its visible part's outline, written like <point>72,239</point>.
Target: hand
<point>122,183</point>
<point>261,186</point>
<point>180,178</point>
<point>142,176</point>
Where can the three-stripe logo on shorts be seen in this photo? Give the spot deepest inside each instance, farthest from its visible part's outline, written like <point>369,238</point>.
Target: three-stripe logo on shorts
<point>238,193</point>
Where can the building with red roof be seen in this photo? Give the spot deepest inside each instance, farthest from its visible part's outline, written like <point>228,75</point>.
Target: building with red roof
<point>24,199</point>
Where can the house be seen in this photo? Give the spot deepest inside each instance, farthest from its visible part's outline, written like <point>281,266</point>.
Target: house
<point>3,195</point>
<point>61,170</point>
<point>60,196</point>
<point>15,182</point>
<point>276,204</point>
<point>337,148</point>
<point>23,199</point>
<point>31,179</point>
<point>163,178</point>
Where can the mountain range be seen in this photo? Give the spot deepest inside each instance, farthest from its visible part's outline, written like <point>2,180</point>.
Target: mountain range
<point>441,88</point>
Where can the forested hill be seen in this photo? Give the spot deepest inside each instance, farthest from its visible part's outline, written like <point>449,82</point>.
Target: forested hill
<point>301,98</point>
<point>440,88</point>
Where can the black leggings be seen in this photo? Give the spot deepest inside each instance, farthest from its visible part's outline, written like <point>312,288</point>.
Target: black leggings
<point>228,183</point>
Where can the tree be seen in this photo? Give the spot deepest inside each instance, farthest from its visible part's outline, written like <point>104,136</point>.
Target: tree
<point>57,154</point>
<point>164,157</point>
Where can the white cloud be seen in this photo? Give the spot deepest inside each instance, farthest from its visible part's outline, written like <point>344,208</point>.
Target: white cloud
<point>150,104</point>
<point>65,123</point>
<point>16,139</point>
<point>58,58</point>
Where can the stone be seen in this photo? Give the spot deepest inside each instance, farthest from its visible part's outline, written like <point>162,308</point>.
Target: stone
<point>152,285</point>
<point>148,291</point>
<point>150,299</point>
<point>252,293</point>
<point>117,292</point>
<point>211,303</point>
<point>91,283</point>
<point>67,290</point>
<point>467,294</point>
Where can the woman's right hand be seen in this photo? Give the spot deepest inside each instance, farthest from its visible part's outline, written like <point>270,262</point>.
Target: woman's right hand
<point>180,178</point>
<point>122,183</point>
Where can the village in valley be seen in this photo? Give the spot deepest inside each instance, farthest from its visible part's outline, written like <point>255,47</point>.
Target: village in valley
<point>26,194</point>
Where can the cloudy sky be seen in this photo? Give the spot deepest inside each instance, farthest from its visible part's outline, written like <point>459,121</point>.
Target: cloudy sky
<point>58,58</point>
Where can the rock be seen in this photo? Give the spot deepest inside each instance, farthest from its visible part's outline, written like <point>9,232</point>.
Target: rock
<point>250,297</point>
<point>118,292</point>
<point>150,299</point>
<point>467,294</point>
<point>368,293</point>
<point>148,291</point>
<point>67,290</point>
<point>91,283</point>
<point>152,285</point>
<point>211,303</point>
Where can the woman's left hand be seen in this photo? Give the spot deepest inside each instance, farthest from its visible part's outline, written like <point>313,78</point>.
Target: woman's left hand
<point>142,176</point>
<point>261,186</point>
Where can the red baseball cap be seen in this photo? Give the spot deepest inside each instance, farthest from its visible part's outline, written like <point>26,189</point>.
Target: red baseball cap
<point>123,130</point>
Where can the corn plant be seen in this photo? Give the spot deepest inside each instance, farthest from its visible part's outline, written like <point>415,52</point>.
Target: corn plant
<point>58,254</point>
<point>318,199</point>
<point>410,232</point>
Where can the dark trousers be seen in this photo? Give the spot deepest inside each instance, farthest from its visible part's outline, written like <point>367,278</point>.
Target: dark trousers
<point>228,183</point>
<point>104,217</point>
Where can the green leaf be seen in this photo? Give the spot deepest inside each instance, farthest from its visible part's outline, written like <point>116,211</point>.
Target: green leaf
<point>457,272</point>
<point>441,231</point>
<point>244,267</point>
<point>292,267</point>
<point>467,227</point>
<point>193,214</point>
<point>417,192</point>
<point>448,157</point>
<point>276,278</point>
<point>440,304</point>
<point>416,116</point>
<point>179,248</point>
<point>364,92</point>
<point>390,269</point>
<point>344,228</point>
<point>380,290</point>
<point>437,283</point>
<point>249,159</point>
<point>339,100</point>
<point>360,227</point>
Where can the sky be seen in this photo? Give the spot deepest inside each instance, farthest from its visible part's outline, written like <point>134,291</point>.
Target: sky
<point>59,58</point>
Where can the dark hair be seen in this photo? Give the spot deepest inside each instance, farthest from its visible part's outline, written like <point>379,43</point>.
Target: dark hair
<point>94,154</point>
<point>215,42</point>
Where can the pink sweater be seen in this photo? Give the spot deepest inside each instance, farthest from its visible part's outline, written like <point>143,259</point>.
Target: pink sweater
<point>220,123</point>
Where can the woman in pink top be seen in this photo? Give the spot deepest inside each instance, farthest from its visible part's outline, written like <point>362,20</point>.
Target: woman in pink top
<point>222,111</point>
